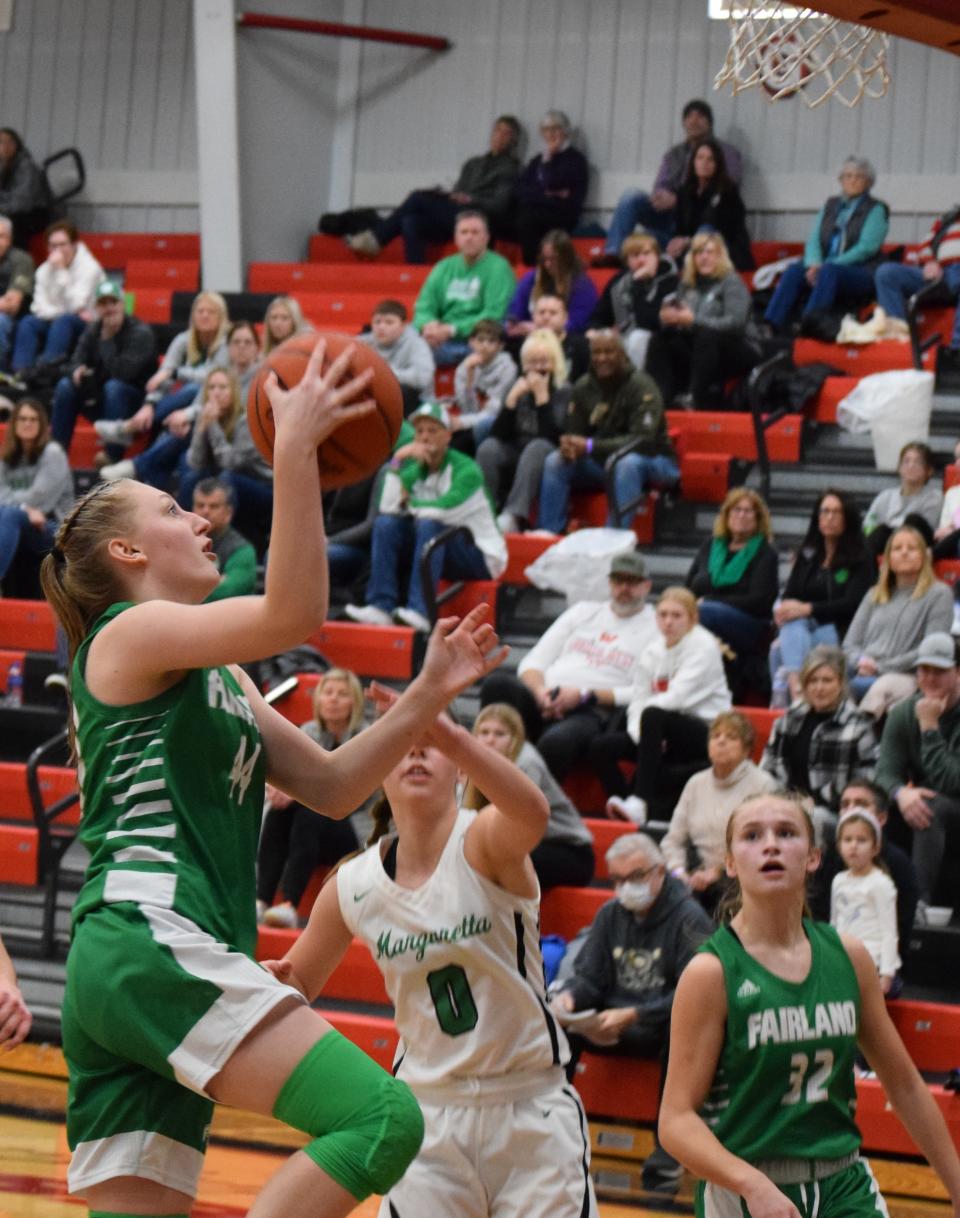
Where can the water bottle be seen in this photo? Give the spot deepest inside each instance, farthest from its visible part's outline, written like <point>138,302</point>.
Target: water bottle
<point>780,696</point>
<point>14,685</point>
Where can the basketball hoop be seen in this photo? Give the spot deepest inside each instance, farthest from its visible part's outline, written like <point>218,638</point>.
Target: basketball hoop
<point>790,51</point>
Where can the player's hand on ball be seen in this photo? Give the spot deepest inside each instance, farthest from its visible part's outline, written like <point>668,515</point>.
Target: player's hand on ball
<point>317,405</point>
<point>460,653</point>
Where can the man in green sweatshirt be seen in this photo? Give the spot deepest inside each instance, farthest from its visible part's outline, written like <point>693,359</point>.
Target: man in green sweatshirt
<point>429,488</point>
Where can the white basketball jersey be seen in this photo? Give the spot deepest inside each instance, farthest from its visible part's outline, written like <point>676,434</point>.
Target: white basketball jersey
<point>462,965</point>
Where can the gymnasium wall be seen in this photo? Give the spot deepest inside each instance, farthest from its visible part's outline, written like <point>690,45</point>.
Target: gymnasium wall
<point>324,121</point>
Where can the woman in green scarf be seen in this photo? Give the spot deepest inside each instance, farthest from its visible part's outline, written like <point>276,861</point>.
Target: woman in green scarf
<point>734,577</point>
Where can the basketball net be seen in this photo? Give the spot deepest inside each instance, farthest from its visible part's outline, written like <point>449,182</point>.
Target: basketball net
<point>791,51</point>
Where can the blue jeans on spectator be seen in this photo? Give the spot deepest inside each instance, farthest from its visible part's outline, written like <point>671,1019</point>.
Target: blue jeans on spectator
<point>896,283</point>
<point>254,496</point>
<point>797,639</point>
<point>8,326</point>
<point>633,475</point>
<point>745,633</point>
<point>58,337</point>
<point>398,543</point>
<point>450,353</point>
<point>155,465</point>
<point>859,686</point>
<point>16,531</point>
<point>424,215</point>
<point>847,284</point>
<point>345,563</point>
<point>117,400</point>
<point>633,208</point>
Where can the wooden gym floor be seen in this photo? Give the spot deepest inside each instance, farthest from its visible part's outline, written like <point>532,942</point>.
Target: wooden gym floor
<point>245,1150</point>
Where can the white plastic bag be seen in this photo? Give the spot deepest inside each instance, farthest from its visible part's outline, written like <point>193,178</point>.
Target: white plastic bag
<point>579,564</point>
<point>894,407</point>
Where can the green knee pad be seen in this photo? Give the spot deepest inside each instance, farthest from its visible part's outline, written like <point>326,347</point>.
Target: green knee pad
<point>366,1124</point>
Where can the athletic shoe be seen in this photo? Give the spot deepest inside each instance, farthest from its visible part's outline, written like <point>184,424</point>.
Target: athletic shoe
<point>663,1180</point>
<point>630,807</point>
<point>410,617</point>
<point>282,915</point>
<point>368,615</point>
<point>365,244</point>
<point>112,431</point>
<point>121,469</point>
<point>508,523</point>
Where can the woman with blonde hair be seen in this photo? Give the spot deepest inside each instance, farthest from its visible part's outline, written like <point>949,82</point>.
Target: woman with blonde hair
<point>735,579</point>
<point>172,389</point>
<point>702,340</point>
<point>565,855</point>
<point>295,841</point>
<point>680,685</point>
<point>906,603</point>
<point>527,429</point>
<point>282,320</point>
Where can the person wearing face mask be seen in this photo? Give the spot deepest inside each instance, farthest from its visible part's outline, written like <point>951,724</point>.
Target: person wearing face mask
<point>570,685</point>
<point>628,968</point>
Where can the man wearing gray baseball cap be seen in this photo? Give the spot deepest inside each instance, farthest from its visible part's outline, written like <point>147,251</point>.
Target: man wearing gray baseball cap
<point>920,758</point>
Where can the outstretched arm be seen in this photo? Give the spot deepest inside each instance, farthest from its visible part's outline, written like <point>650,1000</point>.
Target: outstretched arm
<point>697,1029</point>
<point>905,1089</point>
<point>321,947</point>
<point>336,783</point>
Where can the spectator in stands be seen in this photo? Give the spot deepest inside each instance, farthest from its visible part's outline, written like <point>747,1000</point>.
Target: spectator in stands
<point>295,841</point>
<point>107,371</point>
<point>906,604</point>
<point>214,500</point>
<point>16,288</point>
<point>36,485</point>
<point>695,845</point>
<point>947,535</point>
<point>243,355</point>
<point>282,320</point>
<point>842,252</point>
<point>24,193</point>
<point>938,262</point>
<point>526,430</point>
<point>631,301</point>
<point>709,201</point>
<point>349,516</point>
<point>63,291</point>
<point>568,687</point>
<point>558,272</point>
<point>920,758</point>
<point>482,381</point>
<point>823,740</point>
<point>734,577</point>
<point>679,688</point>
<point>222,445</point>
<point>552,187</point>
<point>460,290</point>
<point>486,183</point>
<point>829,578</point>
<point>550,313</point>
<point>917,501</point>
<point>430,488</point>
<point>614,405</point>
<point>190,357</point>
<point>565,855</point>
<point>702,339</point>
<point>656,212</point>
<point>408,355</point>
<point>628,968</point>
<point>864,792</point>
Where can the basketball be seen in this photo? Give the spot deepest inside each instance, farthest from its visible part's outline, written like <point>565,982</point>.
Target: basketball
<point>358,447</point>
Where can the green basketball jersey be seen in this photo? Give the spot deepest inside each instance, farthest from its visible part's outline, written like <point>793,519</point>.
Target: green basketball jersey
<point>171,797</point>
<point>784,1086</point>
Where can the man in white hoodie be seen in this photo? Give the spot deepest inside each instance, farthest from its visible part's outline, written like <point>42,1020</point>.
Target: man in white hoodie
<point>63,293</point>
<point>571,685</point>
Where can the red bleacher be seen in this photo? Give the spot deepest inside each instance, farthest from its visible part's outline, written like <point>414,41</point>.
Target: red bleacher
<point>175,275</point>
<point>115,250</point>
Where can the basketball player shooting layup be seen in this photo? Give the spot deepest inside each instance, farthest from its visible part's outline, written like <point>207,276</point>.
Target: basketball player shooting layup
<point>449,908</point>
<point>165,1009</point>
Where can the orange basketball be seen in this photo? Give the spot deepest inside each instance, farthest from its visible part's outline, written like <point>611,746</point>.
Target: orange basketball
<point>357,448</point>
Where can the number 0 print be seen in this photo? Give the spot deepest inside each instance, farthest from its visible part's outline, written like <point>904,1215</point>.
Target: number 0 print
<point>452,1000</point>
